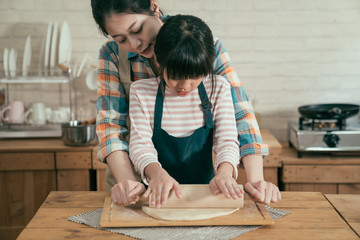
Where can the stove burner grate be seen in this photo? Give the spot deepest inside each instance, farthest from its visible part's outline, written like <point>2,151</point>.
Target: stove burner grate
<point>321,124</point>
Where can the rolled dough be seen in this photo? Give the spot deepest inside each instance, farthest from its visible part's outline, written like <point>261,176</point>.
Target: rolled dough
<point>172,214</point>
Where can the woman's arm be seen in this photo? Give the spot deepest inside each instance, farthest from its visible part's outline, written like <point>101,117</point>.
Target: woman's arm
<point>111,122</point>
<point>261,190</point>
<point>111,127</point>
<point>247,127</point>
<point>252,149</point>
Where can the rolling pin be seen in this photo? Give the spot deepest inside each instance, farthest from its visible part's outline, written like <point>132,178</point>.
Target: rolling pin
<point>200,196</point>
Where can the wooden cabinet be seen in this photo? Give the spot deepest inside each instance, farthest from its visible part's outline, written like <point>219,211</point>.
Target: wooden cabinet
<point>324,173</point>
<point>100,170</point>
<point>73,171</point>
<point>30,170</point>
<point>25,181</point>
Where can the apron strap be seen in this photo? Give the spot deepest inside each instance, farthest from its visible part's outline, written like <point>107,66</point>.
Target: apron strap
<point>206,106</point>
<point>159,104</point>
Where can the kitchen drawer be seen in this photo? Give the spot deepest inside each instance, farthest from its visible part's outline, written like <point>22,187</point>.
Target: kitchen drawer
<point>27,161</point>
<point>73,160</point>
<point>321,174</point>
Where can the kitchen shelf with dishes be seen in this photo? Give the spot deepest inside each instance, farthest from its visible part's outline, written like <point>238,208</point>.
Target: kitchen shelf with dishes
<point>35,79</point>
<point>37,121</point>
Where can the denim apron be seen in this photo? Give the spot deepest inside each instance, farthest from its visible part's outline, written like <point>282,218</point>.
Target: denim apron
<point>187,159</point>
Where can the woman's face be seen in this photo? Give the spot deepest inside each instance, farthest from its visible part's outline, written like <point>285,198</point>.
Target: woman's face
<point>134,32</point>
<point>182,87</point>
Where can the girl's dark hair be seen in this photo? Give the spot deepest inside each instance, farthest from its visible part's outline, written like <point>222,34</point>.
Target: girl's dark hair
<point>185,48</point>
<point>102,9</point>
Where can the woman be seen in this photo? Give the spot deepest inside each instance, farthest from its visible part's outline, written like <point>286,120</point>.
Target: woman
<point>133,26</point>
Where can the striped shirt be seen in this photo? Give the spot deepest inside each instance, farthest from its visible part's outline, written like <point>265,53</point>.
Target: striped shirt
<point>181,117</point>
<point>112,106</point>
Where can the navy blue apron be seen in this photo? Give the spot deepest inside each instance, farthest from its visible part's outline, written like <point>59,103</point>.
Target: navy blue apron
<point>187,159</point>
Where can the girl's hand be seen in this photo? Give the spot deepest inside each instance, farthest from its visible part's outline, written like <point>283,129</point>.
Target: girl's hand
<point>225,183</point>
<point>127,192</point>
<point>263,191</point>
<point>160,186</point>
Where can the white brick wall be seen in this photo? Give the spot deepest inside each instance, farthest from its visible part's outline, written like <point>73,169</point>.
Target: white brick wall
<point>287,52</point>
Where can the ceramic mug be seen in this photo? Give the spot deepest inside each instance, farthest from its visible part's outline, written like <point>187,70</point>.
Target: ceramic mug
<point>59,116</point>
<point>66,111</point>
<point>37,113</point>
<point>13,112</point>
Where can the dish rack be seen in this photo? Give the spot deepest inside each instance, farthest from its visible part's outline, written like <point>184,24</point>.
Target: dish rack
<point>24,130</point>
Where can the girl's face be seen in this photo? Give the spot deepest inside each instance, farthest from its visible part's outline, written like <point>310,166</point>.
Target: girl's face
<point>182,87</point>
<point>134,32</point>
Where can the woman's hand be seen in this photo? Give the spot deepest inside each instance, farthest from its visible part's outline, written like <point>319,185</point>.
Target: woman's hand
<point>127,192</point>
<point>160,185</point>
<point>225,183</point>
<point>263,191</point>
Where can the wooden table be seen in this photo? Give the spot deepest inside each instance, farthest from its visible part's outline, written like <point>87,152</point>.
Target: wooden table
<point>348,206</point>
<point>312,217</point>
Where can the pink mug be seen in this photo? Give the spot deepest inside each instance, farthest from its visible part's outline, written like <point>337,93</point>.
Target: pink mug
<point>13,112</point>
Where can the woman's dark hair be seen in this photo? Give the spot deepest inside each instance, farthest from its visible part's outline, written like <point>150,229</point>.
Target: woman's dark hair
<point>185,48</point>
<point>102,9</point>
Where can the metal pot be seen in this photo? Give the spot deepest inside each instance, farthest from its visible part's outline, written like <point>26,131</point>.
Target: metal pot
<point>329,111</point>
<point>74,134</point>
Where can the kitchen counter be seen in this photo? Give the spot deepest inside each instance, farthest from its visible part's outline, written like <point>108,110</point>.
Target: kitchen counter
<point>312,217</point>
<point>348,206</point>
<point>39,145</point>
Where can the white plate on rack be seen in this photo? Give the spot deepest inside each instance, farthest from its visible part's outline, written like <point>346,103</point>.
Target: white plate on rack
<point>65,45</point>
<point>54,47</point>
<point>6,62</point>
<point>91,79</point>
<point>27,57</point>
<point>41,58</point>
<point>12,63</point>
<point>47,49</point>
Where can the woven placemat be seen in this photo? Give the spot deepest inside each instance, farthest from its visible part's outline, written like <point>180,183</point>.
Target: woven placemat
<point>92,219</point>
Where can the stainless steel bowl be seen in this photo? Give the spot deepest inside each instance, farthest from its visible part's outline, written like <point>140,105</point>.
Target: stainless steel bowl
<point>73,134</point>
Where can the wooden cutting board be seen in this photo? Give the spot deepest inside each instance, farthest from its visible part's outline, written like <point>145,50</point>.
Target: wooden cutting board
<point>113,215</point>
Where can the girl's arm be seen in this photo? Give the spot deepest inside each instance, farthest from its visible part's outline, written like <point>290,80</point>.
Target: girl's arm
<point>143,153</point>
<point>226,145</point>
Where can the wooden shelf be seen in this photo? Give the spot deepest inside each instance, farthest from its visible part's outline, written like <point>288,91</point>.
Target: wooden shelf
<point>35,80</point>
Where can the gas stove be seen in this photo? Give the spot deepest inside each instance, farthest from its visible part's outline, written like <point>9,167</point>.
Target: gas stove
<point>321,135</point>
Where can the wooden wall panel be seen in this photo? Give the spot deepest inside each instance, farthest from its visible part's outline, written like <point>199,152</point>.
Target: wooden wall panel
<point>349,189</point>
<point>308,187</point>
<point>73,180</point>
<point>100,179</point>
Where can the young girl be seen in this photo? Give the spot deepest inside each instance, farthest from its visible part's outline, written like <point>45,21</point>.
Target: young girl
<point>175,116</point>
<point>128,56</point>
